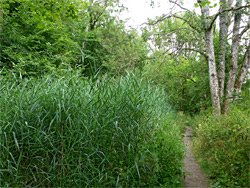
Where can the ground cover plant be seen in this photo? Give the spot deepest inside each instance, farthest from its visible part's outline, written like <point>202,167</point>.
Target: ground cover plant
<point>73,131</point>
<point>222,146</point>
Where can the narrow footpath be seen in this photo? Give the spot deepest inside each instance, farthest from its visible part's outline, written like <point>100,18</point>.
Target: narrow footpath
<point>194,177</point>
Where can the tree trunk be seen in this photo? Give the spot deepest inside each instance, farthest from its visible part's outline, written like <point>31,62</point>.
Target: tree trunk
<point>225,19</point>
<point>213,79</point>
<point>233,66</point>
<point>243,71</point>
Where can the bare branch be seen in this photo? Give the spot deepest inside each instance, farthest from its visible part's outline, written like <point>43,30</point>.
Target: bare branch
<point>183,8</point>
<point>162,18</point>
<point>226,10</point>
<point>175,2</point>
<point>246,28</point>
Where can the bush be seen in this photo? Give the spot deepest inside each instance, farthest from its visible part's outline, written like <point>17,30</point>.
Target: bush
<point>223,145</point>
<point>185,82</point>
<point>77,132</point>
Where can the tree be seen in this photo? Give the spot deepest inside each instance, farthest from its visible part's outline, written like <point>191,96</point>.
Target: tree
<point>215,88</point>
<point>36,38</point>
<point>51,35</point>
<point>179,71</point>
<point>106,44</point>
<point>202,32</point>
<point>185,81</point>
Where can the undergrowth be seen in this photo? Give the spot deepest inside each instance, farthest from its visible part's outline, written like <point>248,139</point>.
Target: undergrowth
<point>222,145</point>
<point>111,132</point>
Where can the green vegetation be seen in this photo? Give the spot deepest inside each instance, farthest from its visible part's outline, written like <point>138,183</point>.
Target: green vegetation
<point>76,132</point>
<point>86,102</point>
<point>222,145</point>
<point>186,83</point>
<point>40,37</point>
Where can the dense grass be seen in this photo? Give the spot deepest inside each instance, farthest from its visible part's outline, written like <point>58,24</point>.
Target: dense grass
<point>77,132</point>
<point>222,145</point>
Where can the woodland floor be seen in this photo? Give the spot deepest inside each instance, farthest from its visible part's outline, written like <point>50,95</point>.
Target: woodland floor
<point>194,177</point>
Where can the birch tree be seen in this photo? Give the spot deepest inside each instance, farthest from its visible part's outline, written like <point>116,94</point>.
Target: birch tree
<point>225,19</point>
<point>213,79</point>
<point>202,28</point>
<point>217,89</point>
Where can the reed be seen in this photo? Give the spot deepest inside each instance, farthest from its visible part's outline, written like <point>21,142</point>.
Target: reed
<point>75,131</point>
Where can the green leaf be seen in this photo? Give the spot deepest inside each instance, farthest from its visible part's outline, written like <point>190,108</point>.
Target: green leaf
<point>202,4</point>
<point>40,26</point>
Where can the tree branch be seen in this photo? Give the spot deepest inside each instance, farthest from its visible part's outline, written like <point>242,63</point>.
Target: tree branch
<point>195,50</point>
<point>226,10</point>
<point>183,8</point>
<point>162,18</point>
<point>186,21</point>
<point>247,27</point>
<point>182,76</point>
<point>132,60</point>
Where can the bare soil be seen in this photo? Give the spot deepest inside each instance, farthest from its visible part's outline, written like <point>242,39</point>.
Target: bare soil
<point>194,177</point>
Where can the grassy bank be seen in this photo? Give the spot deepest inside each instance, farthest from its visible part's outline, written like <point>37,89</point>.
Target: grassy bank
<point>222,146</point>
<point>78,132</point>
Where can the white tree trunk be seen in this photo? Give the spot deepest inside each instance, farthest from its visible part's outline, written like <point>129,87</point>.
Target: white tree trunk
<point>225,19</point>
<point>213,79</point>
<point>233,66</point>
<point>243,71</point>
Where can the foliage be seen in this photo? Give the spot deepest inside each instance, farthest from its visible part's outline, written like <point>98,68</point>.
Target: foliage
<point>75,132</point>
<point>39,37</point>
<point>191,36</point>
<point>222,144</point>
<point>242,101</point>
<point>106,43</point>
<point>174,35</point>
<point>178,63</point>
<point>185,82</point>
<point>35,36</point>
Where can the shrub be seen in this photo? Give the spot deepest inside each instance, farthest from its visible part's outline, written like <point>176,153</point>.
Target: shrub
<point>77,132</point>
<point>223,144</point>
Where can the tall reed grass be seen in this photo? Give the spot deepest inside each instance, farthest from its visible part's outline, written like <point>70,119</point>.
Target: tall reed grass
<point>71,131</point>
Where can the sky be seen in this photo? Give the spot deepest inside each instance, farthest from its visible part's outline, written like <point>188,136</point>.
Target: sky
<point>140,10</point>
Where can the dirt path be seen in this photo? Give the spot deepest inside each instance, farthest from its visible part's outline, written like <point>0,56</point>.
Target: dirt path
<point>194,177</point>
